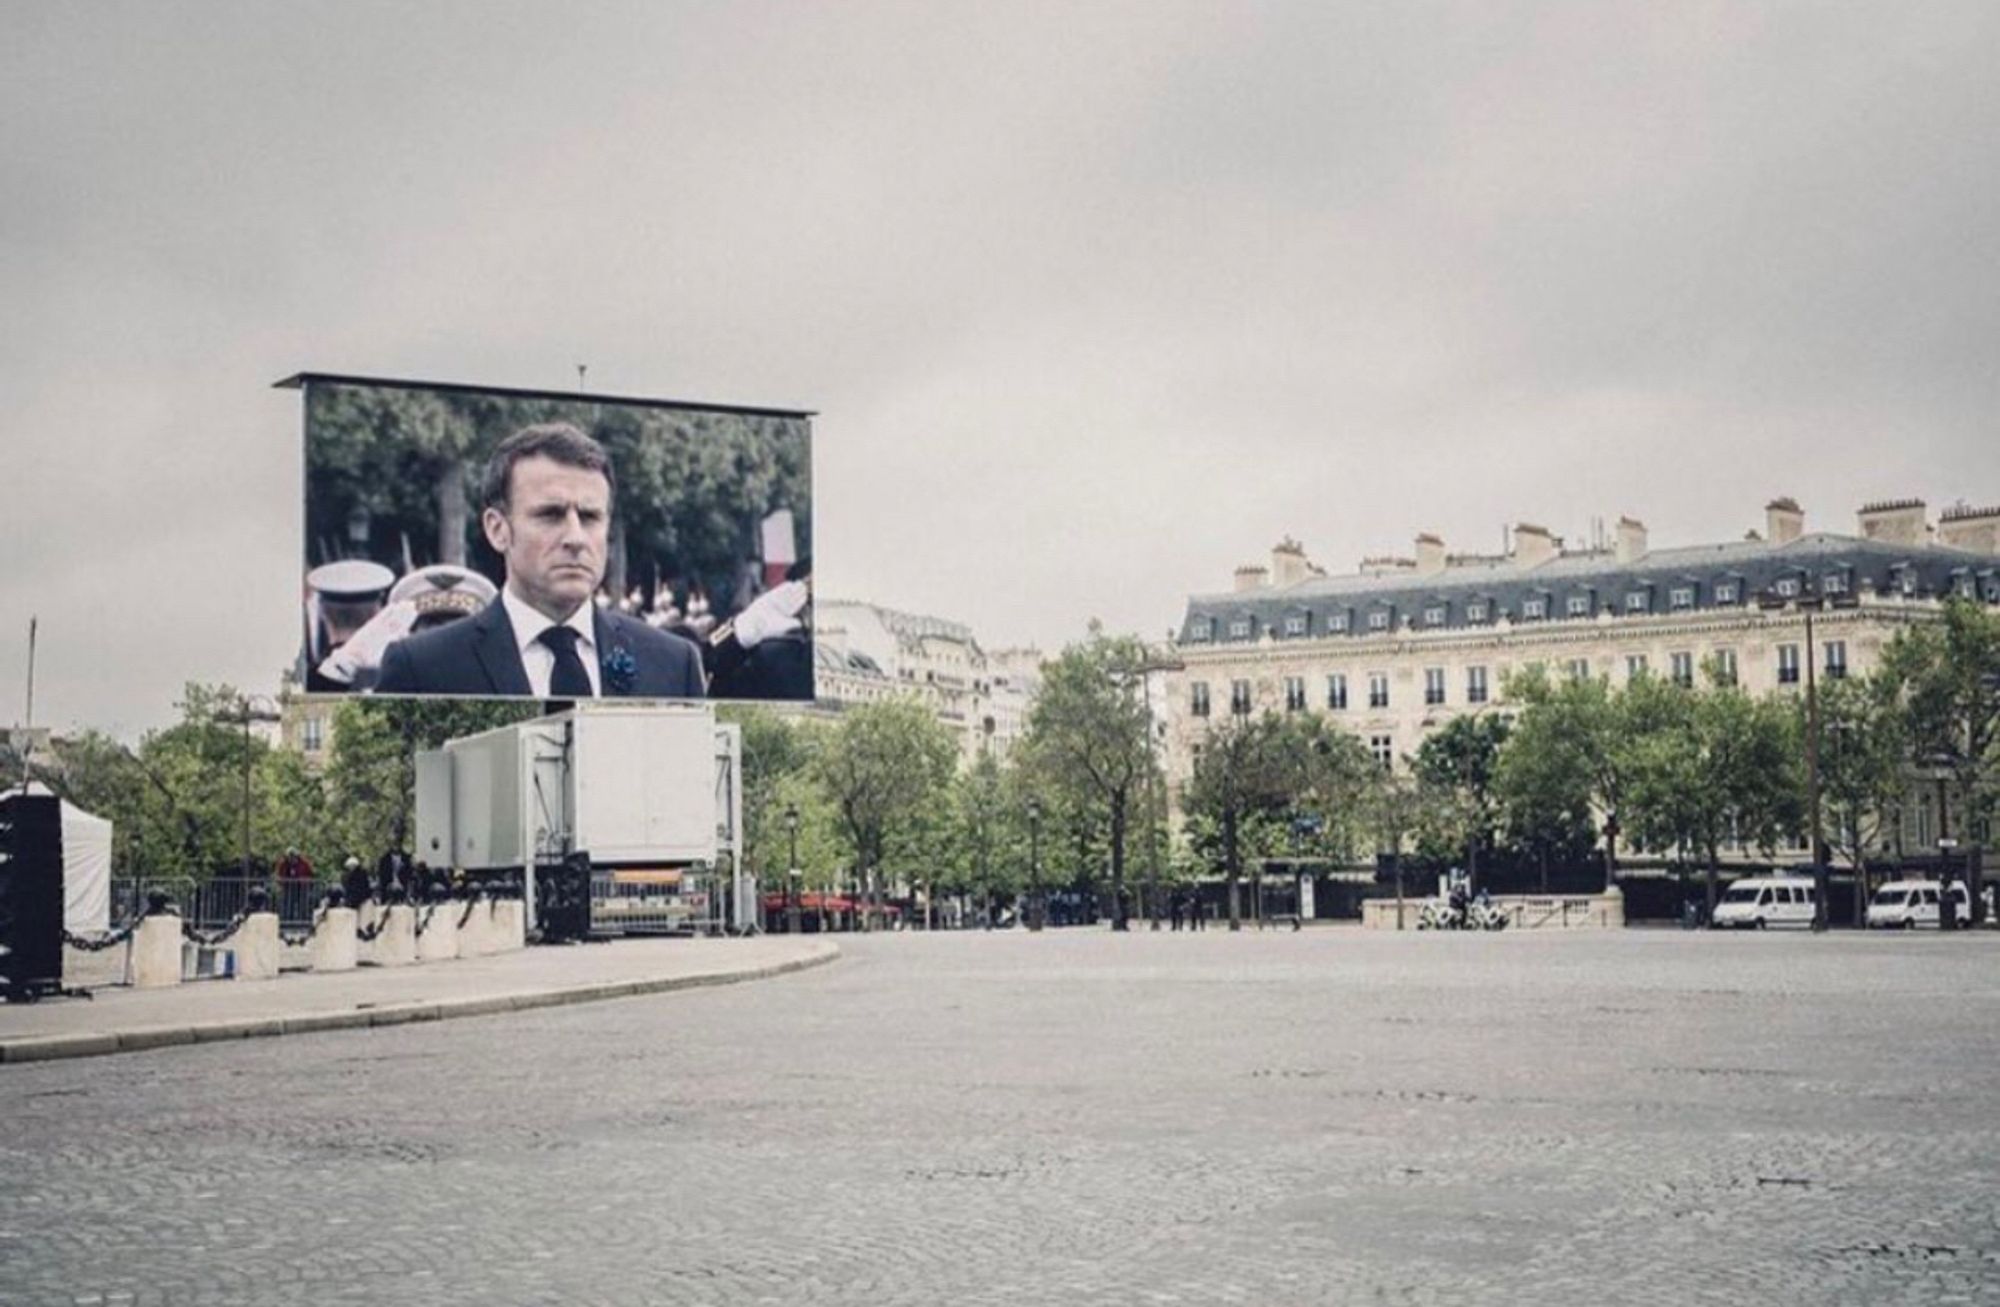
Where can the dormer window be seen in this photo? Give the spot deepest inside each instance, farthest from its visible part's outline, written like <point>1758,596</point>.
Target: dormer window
<point>1725,592</point>
<point>1579,605</point>
<point>1202,631</point>
<point>1434,615</point>
<point>1337,622</point>
<point>1833,583</point>
<point>1295,626</point>
<point>1906,581</point>
<point>1961,585</point>
<point>1476,611</point>
<point>1534,608</point>
<point>1637,601</point>
<point>1239,628</point>
<point>1681,596</point>
<point>1788,587</point>
<point>1378,620</point>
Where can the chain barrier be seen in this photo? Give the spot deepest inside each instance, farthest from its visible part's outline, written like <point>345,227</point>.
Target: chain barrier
<point>471,902</point>
<point>368,934</point>
<point>424,920</point>
<point>303,938</point>
<point>111,940</point>
<point>209,938</point>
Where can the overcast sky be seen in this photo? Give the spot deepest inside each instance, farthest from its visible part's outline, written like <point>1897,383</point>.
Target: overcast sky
<point>1095,301</point>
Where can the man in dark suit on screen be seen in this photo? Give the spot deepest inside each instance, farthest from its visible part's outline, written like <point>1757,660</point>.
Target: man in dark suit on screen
<point>547,512</point>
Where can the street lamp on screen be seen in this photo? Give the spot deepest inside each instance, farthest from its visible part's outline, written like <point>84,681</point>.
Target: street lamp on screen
<point>792,833</point>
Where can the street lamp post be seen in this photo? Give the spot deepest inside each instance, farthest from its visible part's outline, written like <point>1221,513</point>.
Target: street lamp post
<point>1947,910</point>
<point>252,708</point>
<point>1035,904</point>
<point>1812,773</point>
<point>792,832</point>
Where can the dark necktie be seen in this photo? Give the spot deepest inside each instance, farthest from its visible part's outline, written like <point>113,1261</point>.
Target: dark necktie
<point>569,681</point>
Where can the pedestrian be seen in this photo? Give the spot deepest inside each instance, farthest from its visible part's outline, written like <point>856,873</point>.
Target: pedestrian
<point>1174,909</point>
<point>1195,921</point>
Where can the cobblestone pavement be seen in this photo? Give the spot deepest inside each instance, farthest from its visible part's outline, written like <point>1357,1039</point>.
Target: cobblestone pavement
<point>1329,1116</point>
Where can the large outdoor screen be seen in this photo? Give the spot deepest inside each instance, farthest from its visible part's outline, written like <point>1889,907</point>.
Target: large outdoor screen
<point>510,543</point>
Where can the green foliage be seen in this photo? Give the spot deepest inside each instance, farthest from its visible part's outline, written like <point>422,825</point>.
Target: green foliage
<point>1945,677</point>
<point>1456,770</point>
<point>883,766</point>
<point>1862,773</point>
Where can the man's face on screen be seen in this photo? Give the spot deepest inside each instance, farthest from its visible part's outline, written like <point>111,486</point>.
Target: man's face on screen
<point>552,534</point>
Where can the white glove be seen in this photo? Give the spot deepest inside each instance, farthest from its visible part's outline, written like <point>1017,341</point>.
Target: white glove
<point>771,614</point>
<point>363,650</point>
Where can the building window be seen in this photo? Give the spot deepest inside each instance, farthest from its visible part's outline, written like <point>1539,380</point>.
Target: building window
<point>1961,585</point>
<point>1295,693</point>
<point>1833,583</point>
<point>1434,615</point>
<point>1579,605</point>
<point>1836,659</point>
<point>1383,747</point>
<point>1788,664</point>
<point>1476,611</point>
<point>1239,698</point>
<point>1725,666</point>
<point>1475,685</point>
<point>312,734</point>
<point>1636,602</point>
<point>1295,626</point>
<point>1433,685</point>
<point>1337,622</point>
<point>1239,628</point>
<point>1681,666</point>
<point>1635,666</point>
<point>1378,620</point>
<point>1578,669</point>
<point>1198,698</point>
<point>1202,630</point>
<point>1788,587</point>
<point>1336,691</point>
<point>1993,592</point>
<point>1378,690</point>
<point>1534,607</point>
<point>1725,592</point>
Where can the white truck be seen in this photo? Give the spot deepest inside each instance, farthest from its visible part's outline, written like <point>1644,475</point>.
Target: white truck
<point>650,793</point>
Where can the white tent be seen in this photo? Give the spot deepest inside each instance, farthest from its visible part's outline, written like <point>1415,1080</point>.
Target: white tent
<point>86,853</point>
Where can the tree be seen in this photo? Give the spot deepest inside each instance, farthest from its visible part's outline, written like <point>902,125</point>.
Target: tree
<point>1090,731</point>
<point>1946,677</point>
<point>884,765</point>
<point>1244,772</point>
<point>1710,766</point>
<point>1578,729</point>
<point>1862,777</point>
<point>1459,765</point>
<point>773,751</point>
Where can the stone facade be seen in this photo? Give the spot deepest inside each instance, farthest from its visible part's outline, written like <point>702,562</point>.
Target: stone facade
<point>1402,645</point>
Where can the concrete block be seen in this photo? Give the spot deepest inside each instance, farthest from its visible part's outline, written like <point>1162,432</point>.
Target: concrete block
<point>395,945</point>
<point>333,945</point>
<point>480,935</point>
<point>257,947</point>
<point>510,925</point>
<point>439,940</point>
<point>156,952</point>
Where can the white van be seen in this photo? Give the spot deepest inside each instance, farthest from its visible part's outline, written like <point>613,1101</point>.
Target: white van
<point>1759,901</point>
<point>1902,904</point>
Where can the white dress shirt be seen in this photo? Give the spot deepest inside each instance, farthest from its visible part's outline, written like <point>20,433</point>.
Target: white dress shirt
<point>538,658</point>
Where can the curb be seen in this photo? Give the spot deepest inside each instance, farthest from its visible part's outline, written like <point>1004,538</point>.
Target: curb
<point>47,1048</point>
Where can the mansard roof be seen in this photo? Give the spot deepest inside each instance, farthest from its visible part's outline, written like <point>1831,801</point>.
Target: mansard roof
<point>1754,566</point>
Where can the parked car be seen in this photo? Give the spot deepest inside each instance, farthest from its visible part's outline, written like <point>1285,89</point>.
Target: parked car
<point>1903,904</point>
<point>1759,901</point>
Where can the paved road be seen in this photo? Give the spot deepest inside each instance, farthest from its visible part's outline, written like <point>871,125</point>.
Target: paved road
<point>1005,1119</point>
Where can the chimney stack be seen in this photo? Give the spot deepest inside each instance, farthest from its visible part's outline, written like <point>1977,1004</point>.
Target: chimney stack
<point>1895,522</point>
<point>1784,520</point>
<point>1631,540</point>
<point>1974,529</point>
<point>1251,577</point>
<point>1288,563</point>
<point>1430,554</point>
<point>1533,545</point>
